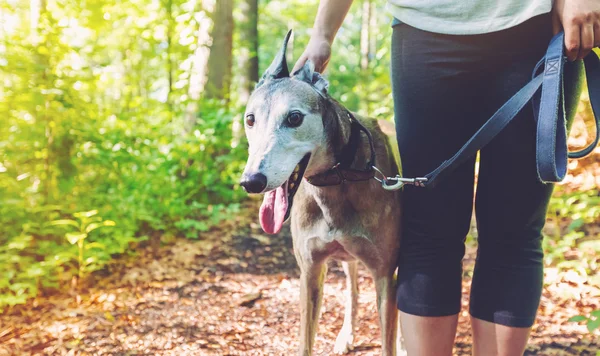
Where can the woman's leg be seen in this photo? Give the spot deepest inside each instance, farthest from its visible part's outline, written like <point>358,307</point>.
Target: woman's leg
<point>438,88</point>
<point>432,335</point>
<point>511,203</point>
<point>491,339</point>
<point>445,87</point>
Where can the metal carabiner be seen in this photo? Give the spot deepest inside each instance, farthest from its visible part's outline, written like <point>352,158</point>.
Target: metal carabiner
<point>400,181</point>
<point>384,181</point>
<point>383,178</point>
<point>397,186</point>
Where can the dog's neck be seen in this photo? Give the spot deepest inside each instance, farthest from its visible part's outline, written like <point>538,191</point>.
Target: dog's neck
<point>338,130</point>
<point>336,201</point>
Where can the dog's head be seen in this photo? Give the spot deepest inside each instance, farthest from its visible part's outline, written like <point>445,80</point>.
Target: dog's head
<point>284,127</point>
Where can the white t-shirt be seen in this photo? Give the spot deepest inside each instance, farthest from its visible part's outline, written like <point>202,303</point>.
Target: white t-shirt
<point>466,17</point>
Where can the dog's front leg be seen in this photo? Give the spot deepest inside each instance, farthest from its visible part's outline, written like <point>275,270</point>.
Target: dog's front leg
<point>345,338</point>
<point>311,293</point>
<point>388,314</point>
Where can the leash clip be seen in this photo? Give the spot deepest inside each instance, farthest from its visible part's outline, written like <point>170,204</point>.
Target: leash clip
<point>387,183</point>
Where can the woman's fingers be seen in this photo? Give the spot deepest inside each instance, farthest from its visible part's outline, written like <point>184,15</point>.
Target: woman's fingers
<point>300,62</point>
<point>587,39</point>
<point>318,52</point>
<point>572,39</point>
<point>581,22</point>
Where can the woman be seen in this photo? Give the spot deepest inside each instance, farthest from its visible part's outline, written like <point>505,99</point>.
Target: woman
<point>454,63</point>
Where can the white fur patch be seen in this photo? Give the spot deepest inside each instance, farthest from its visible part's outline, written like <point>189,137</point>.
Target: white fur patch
<point>275,148</point>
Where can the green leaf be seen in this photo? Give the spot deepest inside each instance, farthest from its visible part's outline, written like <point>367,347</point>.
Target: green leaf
<point>20,242</point>
<point>97,245</point>
<point>596,313</point>
<point>35,271</point>
<point>93,226</point>
<point>65,222</point>
<point>576,224</point>
<point>13,300</point>
<point>593,325</point>
<point>73,238</point>
<point>577,318</point>
<point>85,214</point>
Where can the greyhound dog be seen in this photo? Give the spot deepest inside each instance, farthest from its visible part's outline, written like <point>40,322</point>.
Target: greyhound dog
<point>296,134</point>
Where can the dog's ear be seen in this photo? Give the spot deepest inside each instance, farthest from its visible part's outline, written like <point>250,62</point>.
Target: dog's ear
<point>307,74</point>
<point>278,68</point>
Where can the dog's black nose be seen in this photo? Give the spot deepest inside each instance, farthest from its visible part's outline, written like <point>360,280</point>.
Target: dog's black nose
<point>254,183</point>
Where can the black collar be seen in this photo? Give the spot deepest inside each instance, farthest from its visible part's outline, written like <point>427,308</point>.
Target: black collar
<point>341,171</point>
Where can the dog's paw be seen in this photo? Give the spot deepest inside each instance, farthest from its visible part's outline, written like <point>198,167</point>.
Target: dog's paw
<point>344,342</point>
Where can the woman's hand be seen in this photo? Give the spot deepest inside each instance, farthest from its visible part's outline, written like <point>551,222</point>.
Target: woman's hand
<point>580,20</point>
<point>318,51</point>
<point>329,18</point>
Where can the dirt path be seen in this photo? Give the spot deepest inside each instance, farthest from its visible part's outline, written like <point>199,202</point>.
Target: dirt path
<point>237,294</point>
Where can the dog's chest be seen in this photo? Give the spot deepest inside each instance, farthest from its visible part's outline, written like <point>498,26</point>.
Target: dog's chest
<point>320,238</point>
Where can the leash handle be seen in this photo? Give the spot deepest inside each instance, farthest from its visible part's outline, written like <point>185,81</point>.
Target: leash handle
<point>551,133</point>
<point>592,72</point>
<point>551,136</point>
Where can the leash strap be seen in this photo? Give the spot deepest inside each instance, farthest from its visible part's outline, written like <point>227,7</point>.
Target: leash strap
<point>551,134</point>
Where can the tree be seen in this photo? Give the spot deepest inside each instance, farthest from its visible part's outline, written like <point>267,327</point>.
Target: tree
<point>220,58</point>
<point>199,63</point>
<point>365,34</point>
<point>248,27</point>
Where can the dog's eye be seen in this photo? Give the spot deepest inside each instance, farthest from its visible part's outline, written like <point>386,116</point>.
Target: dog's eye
<point>250,120</point>
<point>294,119</point>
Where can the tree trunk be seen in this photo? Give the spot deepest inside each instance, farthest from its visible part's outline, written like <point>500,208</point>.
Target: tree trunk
<point>372,30</point>
<point>170,66</point>
<point>39,22</point>
<point>365,34</point>
<point>220,58</point>
<point>248,60</point>
<point>199,64</point>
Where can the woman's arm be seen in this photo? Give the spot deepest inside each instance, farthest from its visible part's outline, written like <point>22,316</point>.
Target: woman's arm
<point>580,20</point>
<point>330,17</point>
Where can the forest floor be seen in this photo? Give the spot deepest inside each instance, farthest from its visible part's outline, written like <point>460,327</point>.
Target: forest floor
<point>235,292</point>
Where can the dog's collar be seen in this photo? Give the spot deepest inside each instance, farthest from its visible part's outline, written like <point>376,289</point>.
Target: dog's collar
<point>341,171</point>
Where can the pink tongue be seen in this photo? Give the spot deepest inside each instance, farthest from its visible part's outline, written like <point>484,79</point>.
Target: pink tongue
<point>273,209</point>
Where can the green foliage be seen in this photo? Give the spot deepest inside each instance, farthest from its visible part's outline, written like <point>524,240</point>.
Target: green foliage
<point>576,211</point>
<point>96,117</point>
<point>98,113</point>
<point>592,321</point>
<point>84,223</point>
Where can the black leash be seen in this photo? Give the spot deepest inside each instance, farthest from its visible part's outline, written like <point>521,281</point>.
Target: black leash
<point>551,136</point>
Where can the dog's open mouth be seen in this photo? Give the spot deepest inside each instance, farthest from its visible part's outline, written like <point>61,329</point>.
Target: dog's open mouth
<point>277,204</point>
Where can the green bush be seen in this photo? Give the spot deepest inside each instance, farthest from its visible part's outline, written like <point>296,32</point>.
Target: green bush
<point>576,211</point>
<point>592,321</point>
<point>143,177</point>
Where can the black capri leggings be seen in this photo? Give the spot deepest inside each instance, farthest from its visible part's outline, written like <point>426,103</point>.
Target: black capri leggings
<point>445,87</point>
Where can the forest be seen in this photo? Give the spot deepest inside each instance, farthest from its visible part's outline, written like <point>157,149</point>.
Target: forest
<point>121,149</point>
